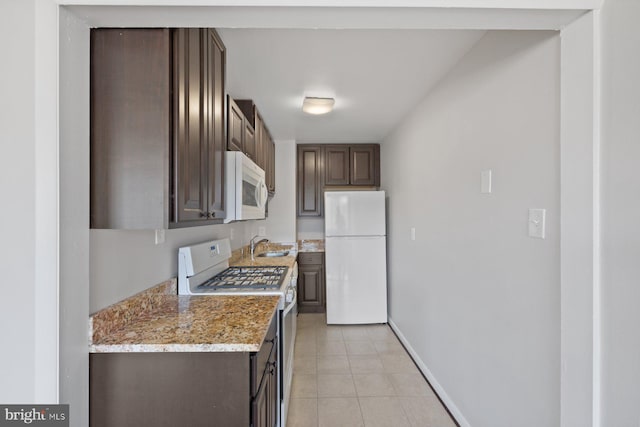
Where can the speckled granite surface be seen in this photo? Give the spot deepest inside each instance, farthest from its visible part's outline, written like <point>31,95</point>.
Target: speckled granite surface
<point>243,258</point>
<point>158,320</point>
<point>204,323</point>
<point>307,245</point>
<point>117,316</point>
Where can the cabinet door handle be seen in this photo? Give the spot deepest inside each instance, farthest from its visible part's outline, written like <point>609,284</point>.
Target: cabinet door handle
<point>212,215</point>
<point>204,214</point>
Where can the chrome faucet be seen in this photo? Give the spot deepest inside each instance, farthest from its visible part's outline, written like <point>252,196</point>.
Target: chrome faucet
<point>253,244</point>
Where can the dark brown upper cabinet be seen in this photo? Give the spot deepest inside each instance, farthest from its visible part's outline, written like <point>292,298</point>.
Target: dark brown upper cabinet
<point>352,165</point>
<point>260,141</point>
<point>216,67</point>
<point>364,165</point>
<point>242,134</point>
<point>157,128</point>
<point>264,146</point>
<point>250,141</point>
<point>334,165</point>
<point>199,146</point>
<point>309,180</point>
<point>271,163</point>
<point>235,127</point>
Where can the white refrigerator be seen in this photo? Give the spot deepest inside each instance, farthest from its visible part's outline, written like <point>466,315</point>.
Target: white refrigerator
<point>355,257</point>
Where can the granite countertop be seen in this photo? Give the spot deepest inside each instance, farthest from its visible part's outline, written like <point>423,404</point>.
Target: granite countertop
<point>242,258</point>
<point>203,323</point>
<point>158,320</point>
<point>306,245</point>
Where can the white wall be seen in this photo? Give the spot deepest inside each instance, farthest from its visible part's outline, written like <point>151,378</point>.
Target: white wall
<point>26,230</point>
<point>17,181</point>
<point>620,208</point>
<point>281,223</point>
<point>125,262</point>
<point>28,182</point>
<point>310,228</point>
<point>74,216</point>
<point>579,257</point>
<point>475,297</point>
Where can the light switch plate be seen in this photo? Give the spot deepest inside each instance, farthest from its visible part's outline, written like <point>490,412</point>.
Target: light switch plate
<point>485,181</point>
<point>413,233</point>
<point>159,236</point>
<point>537,223</point>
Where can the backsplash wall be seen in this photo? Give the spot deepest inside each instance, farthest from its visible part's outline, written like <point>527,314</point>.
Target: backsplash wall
<point>310,228</point>
<point>125,262</point>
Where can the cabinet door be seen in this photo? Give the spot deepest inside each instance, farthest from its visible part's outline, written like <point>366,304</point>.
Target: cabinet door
<point>249,141</point>
<point>190,147</point>
<point>235,127</point>
<point>310,289</point>
<point>273,403</point>
<point>130,128</point>
<point>150,389</point>
<point>260,405</point>
<point>336,161</point>
<point>364,165</point>
<point>271,176</point>
<point>260,142</point>
<point>266,402</point>
<point>310,180</point>
<point>214,109</point>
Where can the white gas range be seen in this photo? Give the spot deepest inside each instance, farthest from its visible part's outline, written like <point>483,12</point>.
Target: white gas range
<point>203,269</point>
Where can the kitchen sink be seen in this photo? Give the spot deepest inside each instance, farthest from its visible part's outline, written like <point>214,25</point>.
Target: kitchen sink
<point>273,254</point>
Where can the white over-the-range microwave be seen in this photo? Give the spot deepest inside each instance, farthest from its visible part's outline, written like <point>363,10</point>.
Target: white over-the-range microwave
<point>246,191</point>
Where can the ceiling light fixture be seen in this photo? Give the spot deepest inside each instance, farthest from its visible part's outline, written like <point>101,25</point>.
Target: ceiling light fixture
<point>313,105</point>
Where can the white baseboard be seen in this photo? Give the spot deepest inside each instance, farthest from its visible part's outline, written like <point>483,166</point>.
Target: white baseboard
<point>453,409</point>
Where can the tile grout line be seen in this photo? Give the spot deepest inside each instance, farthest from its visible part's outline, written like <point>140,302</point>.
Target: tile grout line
<point>316,325</point>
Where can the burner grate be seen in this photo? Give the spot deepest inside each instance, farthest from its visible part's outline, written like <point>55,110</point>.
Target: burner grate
<point>247,278</point>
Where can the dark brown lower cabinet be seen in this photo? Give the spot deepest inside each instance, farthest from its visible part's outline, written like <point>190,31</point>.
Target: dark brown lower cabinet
<point>186,389</point>
<point>264,410</point>
<point>311,283</point>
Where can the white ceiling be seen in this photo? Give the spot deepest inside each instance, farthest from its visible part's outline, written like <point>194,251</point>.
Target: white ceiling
<point>376,76</point>
<point>378,62</point>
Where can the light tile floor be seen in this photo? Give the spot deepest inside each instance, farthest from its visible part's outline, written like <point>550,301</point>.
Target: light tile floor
<point>357,376</point>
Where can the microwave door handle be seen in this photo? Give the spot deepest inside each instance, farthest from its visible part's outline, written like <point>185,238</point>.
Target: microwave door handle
<point>265,193</point>
<point>261,197</point>
<point>258,195</point>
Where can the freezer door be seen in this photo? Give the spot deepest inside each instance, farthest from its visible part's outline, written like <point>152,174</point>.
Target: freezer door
<point>354,213</point>
<point>356,278</point>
